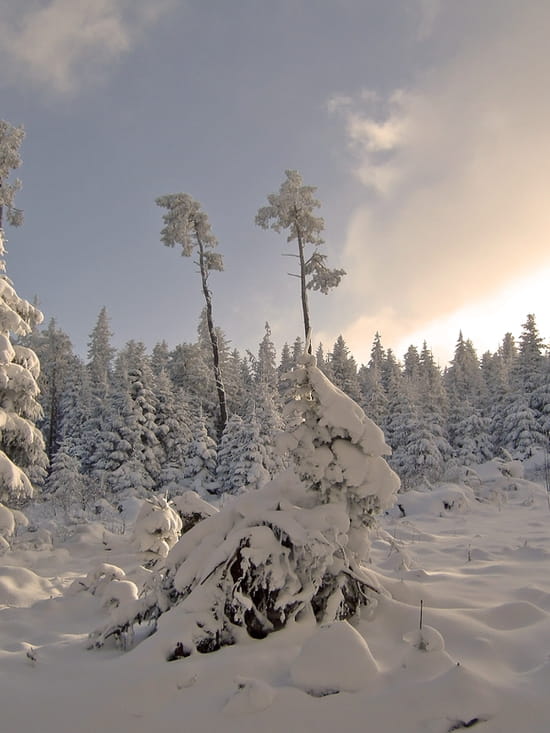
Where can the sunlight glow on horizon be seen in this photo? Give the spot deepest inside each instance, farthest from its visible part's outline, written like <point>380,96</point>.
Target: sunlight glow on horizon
<point>486,321</point>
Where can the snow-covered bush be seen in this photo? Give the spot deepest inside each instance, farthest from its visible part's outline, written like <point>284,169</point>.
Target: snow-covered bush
<point>294,547</point>
<point>7,527</point>
<point>157,527</point>
<point>11,520</point>
<point>192,509</point>
<point>111,586</point>
<point>97,579</point>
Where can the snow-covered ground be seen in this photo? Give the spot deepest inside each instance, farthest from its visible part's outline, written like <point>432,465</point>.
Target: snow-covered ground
<point>481,660</point>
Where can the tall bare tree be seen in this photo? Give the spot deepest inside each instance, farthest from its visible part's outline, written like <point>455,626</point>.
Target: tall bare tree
<point>292,209</point>
<point>186,224</point>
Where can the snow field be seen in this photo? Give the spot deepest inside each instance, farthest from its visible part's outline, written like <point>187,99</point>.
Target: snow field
<point>481,571</point>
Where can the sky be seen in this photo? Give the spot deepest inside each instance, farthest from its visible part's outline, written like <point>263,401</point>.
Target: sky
<point>423,124</point>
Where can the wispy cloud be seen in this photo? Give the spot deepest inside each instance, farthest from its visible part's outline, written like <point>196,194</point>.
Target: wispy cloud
<point>456,169</point>
<point>61,44</point>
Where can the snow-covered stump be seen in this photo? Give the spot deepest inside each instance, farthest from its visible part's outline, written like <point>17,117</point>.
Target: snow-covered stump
<point>295,547</point>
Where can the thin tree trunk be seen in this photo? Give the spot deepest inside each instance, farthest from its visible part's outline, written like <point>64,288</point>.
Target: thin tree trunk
<point>305,305</point>
<point>52,432</point>
<point>213,340</point>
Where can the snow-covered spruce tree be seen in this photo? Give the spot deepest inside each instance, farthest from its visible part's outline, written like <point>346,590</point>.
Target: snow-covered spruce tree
<point>286,363</point>
<point>374,399</point>
<point>186,224</point>
<point>242,456</point>
<point>344,370</point>
<point>471,441</point>
<point>200,461</point>
<point>125,456</point>
<point>292,209</point>
<point>66,483</point>
<point>265,371</point>
<point>295,548</point>
<point>54,350</point>
<point>76,408</point>
<point>100,356</point>
<point>22,458</point>
<point>173,432</point>
<point>189,371</point>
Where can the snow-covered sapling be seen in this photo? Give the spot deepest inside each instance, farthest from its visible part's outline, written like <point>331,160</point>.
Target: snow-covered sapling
<point>295,547</point>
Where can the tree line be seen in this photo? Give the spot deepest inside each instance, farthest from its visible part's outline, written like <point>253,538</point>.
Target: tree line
<point>130,419</point>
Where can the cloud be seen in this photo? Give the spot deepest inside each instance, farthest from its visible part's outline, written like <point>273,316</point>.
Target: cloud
<point>456,171</point>
<point>60,44</point>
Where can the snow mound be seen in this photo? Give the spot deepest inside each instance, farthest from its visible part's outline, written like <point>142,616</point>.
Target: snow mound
<point>336,658</point>
<point>21,587</point>
<point>97,579</point>
<point>440,501</point>
<point>427,639</point>
<point>251,696</point>
<point>192,509</point>
<point>510,616</point>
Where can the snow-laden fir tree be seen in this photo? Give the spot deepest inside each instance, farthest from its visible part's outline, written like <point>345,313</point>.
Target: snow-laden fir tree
<point>285,363</point>
<point>100,356</point>
<point>126,454</point>
<point>238,381</point>
<point>529,364</point>
<point>296,548</point>
<point>11,138</point>
<point>22,458</point>
<point>66,484</point>
<point>344,370</point>
<point>160,358</point>
<point>463,378</point>
<point>242,456</point>
<point>201,460</point>
<point>433,408</point>
<point>521,434</point>
<point>173,431</point>
<point>23,461</point>
<point>76,409</point>
<point>54,350</point>
<point>323,361</point>
<point>471,440</point>
<point>374,399</point>
<point>190,372</point>
<point>402,426</point>
<point>265,366</point>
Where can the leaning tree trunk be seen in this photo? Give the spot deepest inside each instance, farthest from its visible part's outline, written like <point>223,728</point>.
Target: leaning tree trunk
<point>220,389</point>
